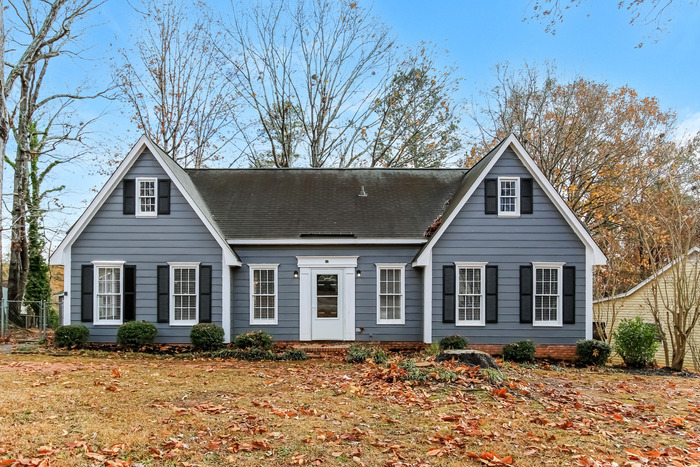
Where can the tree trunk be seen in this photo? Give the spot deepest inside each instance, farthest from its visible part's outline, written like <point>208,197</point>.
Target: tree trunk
<point>679,351</point>
<point>19,251</point>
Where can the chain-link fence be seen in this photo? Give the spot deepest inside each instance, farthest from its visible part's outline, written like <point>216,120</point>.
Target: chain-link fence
<point>29,316</point>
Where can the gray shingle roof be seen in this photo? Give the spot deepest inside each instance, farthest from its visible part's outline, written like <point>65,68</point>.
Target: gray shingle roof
<point>299,203</point>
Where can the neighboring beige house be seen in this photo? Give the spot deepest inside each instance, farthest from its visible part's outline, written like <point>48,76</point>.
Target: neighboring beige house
<point>639,300</point>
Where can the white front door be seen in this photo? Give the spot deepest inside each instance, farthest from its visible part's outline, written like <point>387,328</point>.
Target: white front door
<point>327,304</point>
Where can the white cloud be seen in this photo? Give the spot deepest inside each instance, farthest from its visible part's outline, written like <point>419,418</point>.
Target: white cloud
<point>689,126</point>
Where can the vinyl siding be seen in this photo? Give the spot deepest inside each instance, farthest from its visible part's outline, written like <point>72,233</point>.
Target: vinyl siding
<point>638,303</point>
<point>543,236</point>
<point>147,243</point>
<point>365,291</point>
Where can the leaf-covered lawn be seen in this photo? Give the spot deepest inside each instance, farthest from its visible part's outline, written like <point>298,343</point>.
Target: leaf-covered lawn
<point>136,410</point>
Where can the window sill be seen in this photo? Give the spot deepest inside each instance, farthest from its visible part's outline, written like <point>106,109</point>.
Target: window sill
<point>391,321</point>
<point>547,324</point>
<point>263,323</point>
<point>147,215</point>
<point>183,323</point>
<point>502,214</point>
<point>471,324</point>
<point>107,323</point>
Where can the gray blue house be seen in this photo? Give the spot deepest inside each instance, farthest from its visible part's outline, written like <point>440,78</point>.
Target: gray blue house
<point>395,255</point>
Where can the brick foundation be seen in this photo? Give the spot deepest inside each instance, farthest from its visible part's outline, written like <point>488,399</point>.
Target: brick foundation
<point>554,352</point>
<point>338,349</point>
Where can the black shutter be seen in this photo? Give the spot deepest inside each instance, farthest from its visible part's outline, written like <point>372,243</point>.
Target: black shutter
<point>129,292</point>
<point>129,196</point>
<point>205,294</point>
<point>86,288</point>
<point>491,294</point>
<point>525,196</point>
<point>164,196</point>
<point>491,198</point>
<point>448,294</point>
<point>526,294</point>
<point>163,294</point>
<point>569,298</point>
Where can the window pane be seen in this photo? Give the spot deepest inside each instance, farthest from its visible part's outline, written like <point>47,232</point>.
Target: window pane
<point>546,294</point>
<point>390,293</point>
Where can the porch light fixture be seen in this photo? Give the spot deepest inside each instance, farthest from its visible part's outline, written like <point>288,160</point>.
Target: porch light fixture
<point>359,273</point>
<point>296,274</point>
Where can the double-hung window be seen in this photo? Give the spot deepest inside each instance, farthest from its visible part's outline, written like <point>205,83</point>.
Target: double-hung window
<point>390,294</point>
<point>508,196</point>
<point>184,294</point>
<point>548,293</point>
<point>263,293</point>
<point>146,197</point>
<point>108,292</point>
<point>471,287</point>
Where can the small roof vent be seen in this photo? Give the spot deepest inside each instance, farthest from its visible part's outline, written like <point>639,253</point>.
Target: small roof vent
<point>362,192</point>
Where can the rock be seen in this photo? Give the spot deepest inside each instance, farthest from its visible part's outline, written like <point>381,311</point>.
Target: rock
<point>468,357</point>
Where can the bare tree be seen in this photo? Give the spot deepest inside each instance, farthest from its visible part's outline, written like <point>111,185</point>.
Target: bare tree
<point>418,119</point>
<point>326,62</point>
<point>669,226</point>
<point>173,80</point>
<point>48,28</point>
<point>652,14</point>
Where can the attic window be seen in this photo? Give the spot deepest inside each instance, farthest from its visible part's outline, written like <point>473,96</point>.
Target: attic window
<point>146,197</point>
<point>508,199</point>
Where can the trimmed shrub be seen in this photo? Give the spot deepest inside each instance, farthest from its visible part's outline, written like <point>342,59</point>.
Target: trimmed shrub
<point>636,342</point>
<point>254,354</point>
<point>359,353</point>
<point>380,356</point>
<point>592,352</point>
<point>207,336</point>
<point>254,340</point>
<point>294,355</point>
<point>135,334</point>
<point>74,335</point>
<point>453,343</point>
<point>519,352</point>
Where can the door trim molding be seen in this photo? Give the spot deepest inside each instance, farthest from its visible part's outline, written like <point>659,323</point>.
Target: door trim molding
<point>348,264</point>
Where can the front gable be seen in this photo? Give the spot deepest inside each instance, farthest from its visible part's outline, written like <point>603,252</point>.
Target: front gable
<point>484,169</point>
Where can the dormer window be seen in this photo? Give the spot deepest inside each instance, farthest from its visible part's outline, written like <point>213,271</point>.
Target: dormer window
<point>508,196</point>
<point>147,197</point>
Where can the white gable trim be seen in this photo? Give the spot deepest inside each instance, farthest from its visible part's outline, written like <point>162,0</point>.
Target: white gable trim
<point>694,250</point>
<point>63,249</point>
<point>598,256</point>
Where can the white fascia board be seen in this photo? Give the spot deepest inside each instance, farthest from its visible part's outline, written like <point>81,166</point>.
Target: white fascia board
<point>144,142</point>
<point>598,255</point>
<point>328,241</point>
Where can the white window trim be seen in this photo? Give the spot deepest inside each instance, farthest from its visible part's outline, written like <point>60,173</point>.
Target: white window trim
<point>560,282</point>
<point>138,211</point>
<point>402,267</point>
<point>482,312</point>
<point>171,293</point>
<point>263,322</point>
<point>95,279</point>
<point>517,197</point>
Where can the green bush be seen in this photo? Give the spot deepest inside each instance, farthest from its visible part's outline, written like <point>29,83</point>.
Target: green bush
<point>380,356</point>
<point>254,340</point>
<point>294,355</point>
<point>72,335</point>
<point>207,336</point>
<point>135,334</point>
<point>359,353</point>
<point>635,341</point>
<point>453,343</point>
<point>520,352</point>
<point>592,352</point>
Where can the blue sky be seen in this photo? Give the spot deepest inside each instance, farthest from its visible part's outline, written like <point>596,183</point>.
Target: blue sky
<point>594,41</point>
